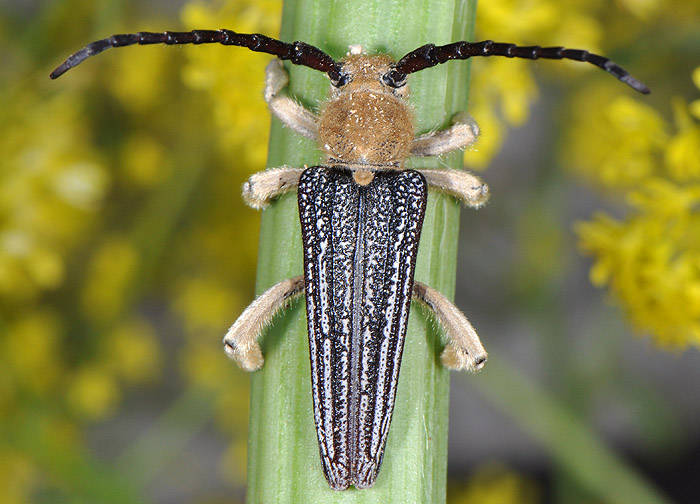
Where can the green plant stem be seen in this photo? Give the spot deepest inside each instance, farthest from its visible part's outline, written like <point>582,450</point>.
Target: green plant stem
<point>284,463</point>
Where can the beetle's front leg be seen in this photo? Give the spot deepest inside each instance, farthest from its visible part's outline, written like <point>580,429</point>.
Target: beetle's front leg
<point>266,185</point>
<point>290,112</point>
<point>464,350</point>
<point>463,133</point>
<point>468,188</point>
<point>241,340</point>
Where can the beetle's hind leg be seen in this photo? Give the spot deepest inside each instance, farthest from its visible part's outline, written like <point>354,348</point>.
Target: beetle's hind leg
<point>463,133</point>
<point>290,112</point>
<point>266,185</point>
<point>464,350</point>
<point>241,341</point>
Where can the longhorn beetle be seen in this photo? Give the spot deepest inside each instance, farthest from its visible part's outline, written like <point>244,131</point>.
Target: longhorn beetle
<point>361,215</point>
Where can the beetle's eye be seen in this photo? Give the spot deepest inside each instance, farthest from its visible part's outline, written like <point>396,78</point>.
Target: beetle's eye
<point>394,78</point>
<point>340,79</point>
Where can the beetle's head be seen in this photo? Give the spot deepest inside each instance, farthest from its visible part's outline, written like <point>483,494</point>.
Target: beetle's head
<point>361,72</point>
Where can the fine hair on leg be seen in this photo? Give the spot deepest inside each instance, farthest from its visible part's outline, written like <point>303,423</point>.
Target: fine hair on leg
<point>464,350</point>
<point>463,133</point>
<point>241,340</point>
<point>264,186</point>
<point>286,109</point>
<point>466,187</point>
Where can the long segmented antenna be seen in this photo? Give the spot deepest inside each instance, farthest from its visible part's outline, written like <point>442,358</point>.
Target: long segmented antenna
<point>298,53</point>
<point>430,55</point>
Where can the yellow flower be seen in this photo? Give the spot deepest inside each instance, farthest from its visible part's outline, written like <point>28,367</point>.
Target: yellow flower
<point>695,104</point>
<point>92,392</point>
<point>234,77</point>
<point>131,352</point>
<point>233,462</point>
<point>502,92</point>
<point>516,18</point>
<point>653,277</point>
<point>617,144</point>
<point>31,349</point>
<point>110,273</point>
<point>205,305</point>
<point>682,156</point>
<point>644,9</point>
<point>18,476</point>
<point>491,136</point>
<point>494,484</point>
<point>207,366</point>
<point>138,77</point>
<point>144,160</point>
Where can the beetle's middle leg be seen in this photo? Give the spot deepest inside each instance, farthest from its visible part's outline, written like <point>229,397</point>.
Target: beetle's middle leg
<point>464,350</point>
<point>241,340</point>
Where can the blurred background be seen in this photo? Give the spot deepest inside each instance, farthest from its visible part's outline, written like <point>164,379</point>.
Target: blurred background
<point>126,251</point>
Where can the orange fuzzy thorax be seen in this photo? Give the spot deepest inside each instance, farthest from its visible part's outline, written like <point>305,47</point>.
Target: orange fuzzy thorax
<point>366,123</point>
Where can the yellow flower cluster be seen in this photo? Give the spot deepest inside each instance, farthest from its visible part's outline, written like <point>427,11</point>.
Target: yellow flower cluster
<point>650,258</point>
<point>90,194</point>
<point>208,302</point>
<point>233,78</point>
<point>51,184</point>
<point>502,90</point>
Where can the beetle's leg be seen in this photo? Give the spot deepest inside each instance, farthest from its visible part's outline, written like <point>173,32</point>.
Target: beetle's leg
<point>241,341</point>
<point>263,186</point>
<point>463,133</point>
<point>287,110</point>
<point>468,188</point>
<point>464,350</point>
